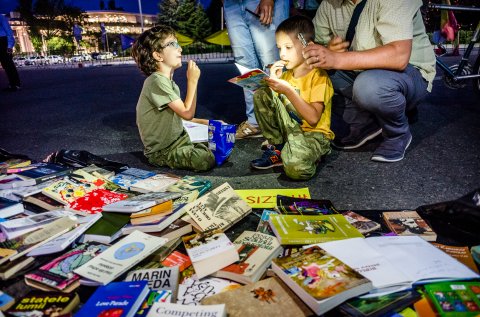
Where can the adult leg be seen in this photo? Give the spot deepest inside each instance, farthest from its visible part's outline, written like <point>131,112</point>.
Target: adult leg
<point>8,64</point>
<point>183,154</point>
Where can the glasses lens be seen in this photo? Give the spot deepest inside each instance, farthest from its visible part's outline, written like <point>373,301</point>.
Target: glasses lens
<point>173,44</point>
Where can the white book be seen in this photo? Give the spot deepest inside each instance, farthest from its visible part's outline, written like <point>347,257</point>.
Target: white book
<point>165,278</point>
<point>396,263</point>
<point>160,309</point>
<point>140,202</point>
<point>197,132</point>
<point>10,208</point>
<point>120,257</point>
<point>62,242</point>
<point>155,183</point>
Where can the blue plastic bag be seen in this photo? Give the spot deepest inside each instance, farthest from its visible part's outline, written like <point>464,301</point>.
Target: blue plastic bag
<point>221,140</point>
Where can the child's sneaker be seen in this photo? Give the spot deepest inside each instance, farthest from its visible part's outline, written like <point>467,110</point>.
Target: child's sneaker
<point>270,158</point>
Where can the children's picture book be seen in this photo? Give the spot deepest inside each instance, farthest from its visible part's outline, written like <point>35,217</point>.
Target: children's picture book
<point>293,229</point>
<point>44,304</point>
<point>58,274</point>
<point>219,209</point>
<point>321,280</point>
<point>303,206</point>
<point>364,225</point>
<point>461,254</point>
<point>93,202</point>
<point>163,309</point>
<point>191,183</point>
<point>256,251</point>
<point>68,189</point>
<point>268,297</point>
<point>251,80</point>
<point>379,306</point>
<point>106,229</point>
<point>9,208</point>
<point>117,299</point>
<point>120,257</point>
<point>455,299</point>
<point>263,225</point>
<point>140,202</point>
<point>395,263</point>
<point>165,278</point>
<point>407,222</point>
<point>210,251</point>
<point>267,198</point>
<point>197,132</point>
<point>193,290</point>
<point>178,259</point>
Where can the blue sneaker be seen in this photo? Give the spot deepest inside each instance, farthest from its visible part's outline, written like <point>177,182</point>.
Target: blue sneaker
<point>270,158</point>
<point>392,150</point>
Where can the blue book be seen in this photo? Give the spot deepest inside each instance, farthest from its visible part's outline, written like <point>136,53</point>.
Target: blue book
<point>119,299</point>
<point>42,172</point>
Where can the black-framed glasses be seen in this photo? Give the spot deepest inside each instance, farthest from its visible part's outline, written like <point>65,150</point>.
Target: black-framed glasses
<point>173,44</point>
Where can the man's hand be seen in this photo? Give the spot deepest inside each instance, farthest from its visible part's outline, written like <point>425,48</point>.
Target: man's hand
<point>265,10</point>
<point>319,56</point>
<point>337,44</point>
<point>278,85</point>
<point>193,72</point>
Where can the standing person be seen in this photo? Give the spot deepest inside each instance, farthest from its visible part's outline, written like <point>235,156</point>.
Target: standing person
<point>7,41</point>
<point>386,70</point>
<point>299,92</point>
<point>251,28</point>
<point>160,109</point>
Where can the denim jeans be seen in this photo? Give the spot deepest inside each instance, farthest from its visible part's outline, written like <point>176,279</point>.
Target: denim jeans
<point>253,44</point>
<point>376,94</point>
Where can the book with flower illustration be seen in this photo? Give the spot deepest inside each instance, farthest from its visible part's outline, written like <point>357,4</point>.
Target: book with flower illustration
<point>321,280</point>
<point>408,223</point>
<point>299,229</point>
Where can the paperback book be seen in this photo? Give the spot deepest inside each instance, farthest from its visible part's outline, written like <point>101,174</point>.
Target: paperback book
<point>6,301</point>
<point>158,279</point>
<point>42,172</point>
<point>303,206</point>
<point>407,223</point>
<point>461,254</point>
<point>190,183</point>
<point>162,309</point>
<point>43,304</point>
<point>175,230</point>
<point>13,268</point>
<point>140,202</point>
<point>155,183</point>
<point>251,80</point>
<point>93,202</point>
<point>106,229</point>
<point>68,189</point>
<point>192,290</point>
<point>263,225</point>
<point>163,296</point>
<point>161,208</point>
<point>9,208</point>
<point>43,201</point>
<point>177,259</point>
<point>364,225</point>
<point>129,177</point>
<point>156,226</point>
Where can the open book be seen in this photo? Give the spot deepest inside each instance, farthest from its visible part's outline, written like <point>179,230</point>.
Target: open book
<point>250,79</point>
<point>396,263</point>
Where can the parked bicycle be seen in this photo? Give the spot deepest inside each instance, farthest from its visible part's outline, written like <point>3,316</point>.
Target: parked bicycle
<point>457,75</point>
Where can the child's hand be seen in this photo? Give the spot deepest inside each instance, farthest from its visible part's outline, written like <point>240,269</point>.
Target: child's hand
<point>193,72</point>
<point>277,69</point>
<point>278,85</point>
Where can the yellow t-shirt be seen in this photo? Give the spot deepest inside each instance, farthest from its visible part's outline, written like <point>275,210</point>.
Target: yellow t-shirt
<point>315,87</point>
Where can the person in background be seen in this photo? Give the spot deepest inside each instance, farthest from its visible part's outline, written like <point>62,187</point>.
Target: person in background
<point>251,28</point>
<point>7,42</point>
<point>160,109</point>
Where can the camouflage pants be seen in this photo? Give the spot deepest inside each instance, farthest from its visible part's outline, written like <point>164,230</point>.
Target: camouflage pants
<point>183,154</point>
<point>302,150</point>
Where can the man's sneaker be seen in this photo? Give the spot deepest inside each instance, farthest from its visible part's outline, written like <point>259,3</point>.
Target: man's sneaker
<point>392,150</point>
<point>246,130</point>
<point>357,138</point>
<point>270,158</point>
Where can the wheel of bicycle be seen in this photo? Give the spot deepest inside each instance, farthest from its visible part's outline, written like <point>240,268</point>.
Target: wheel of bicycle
<point>476,71</point>
<point>462,83</point>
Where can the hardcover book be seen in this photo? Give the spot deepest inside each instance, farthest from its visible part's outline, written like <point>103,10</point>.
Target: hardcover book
<point>192,290</point>
<point>219,209</point>
<point>321,280</point>
<point>455,299</point>
<point>43,304</point>
<point>267,198</point>
<point>120,257</point>
<point>407,223</point>
<point>119,299</point>
<point>58,274</point>
<point>162,309</point>
<point>291,229</point>
<point>158,279</point>
<point>364,225</point>
<point>210,251</point>
<point>189,184</point>
<point>256,251</point>
<point>268,297</point>
<point>140,202</point>
<point>303,206</point>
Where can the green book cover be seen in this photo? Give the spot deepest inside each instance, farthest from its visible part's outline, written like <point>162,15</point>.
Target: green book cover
<point>109,225</point>
<point>299,229</point>
<point>459,299</point>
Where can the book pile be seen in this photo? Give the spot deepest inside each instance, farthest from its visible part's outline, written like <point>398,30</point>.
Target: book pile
<point>143,243</point>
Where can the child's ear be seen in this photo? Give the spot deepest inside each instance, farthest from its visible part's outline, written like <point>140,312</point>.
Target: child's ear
<point>157,56</point>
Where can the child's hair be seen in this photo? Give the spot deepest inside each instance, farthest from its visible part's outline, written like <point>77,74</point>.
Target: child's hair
<point>148,42</point>
<point>298,24</point>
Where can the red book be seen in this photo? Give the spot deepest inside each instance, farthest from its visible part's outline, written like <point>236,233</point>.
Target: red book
<point>177,258</point>
<point>93,201</point>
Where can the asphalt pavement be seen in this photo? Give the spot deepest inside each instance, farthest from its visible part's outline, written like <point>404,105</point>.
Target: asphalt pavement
<point>93,109</point>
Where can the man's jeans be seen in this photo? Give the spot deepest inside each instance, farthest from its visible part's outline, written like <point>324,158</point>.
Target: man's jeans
<point>376,94</point>
<point>253,44</point>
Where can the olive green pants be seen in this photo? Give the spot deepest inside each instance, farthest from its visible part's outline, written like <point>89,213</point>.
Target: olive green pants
<point>183,154</point>
<point>302,150</point>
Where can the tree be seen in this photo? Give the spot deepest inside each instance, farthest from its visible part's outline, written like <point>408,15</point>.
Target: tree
<point>168,12</point>
<point>192,20</point>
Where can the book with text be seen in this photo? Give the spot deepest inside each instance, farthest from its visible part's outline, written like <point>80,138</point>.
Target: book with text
<point>42,172</point>
<point>93,202</point>
<point>461,254</point>
<point>252,79</point>
<point>165,278</point>
<point>177,259</point>
<point>192,290</point>
<point>42,304</point>
<point>162,309</point>
<point>155,210</point>
<point>140,202</point>
<point>9,208</point>
<point>267,198</point>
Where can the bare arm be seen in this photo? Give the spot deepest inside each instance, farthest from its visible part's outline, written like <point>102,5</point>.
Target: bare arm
<point>186,110</point>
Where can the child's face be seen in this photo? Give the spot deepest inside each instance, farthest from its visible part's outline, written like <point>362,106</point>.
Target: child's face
<point>171,52</point>
<point>290,50</point>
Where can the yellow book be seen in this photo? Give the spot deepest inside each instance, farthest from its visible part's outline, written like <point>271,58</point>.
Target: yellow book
<point>267,198</point>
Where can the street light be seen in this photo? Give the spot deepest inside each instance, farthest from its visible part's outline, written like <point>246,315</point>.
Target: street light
<point>141,15</point>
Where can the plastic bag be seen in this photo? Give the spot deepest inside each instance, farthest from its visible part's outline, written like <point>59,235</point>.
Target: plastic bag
<point>221,140</point>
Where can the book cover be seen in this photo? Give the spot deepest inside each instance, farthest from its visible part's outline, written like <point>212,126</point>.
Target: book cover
<point>43,201</point>
<point>175,230</point>
<point>127,178</point>
<point>407,223</point>
<point>364,225</point>
<point>6,301</point>
<point>191,183</point>
<point>164,207</point>
<point>154,260</point>
<point>251,80</point>
<point>267,198</point>
<point>120,257</point>
<point>155,183</point>
<point>321,280</point>
<point>162,309</point>
<point>291,229</point>
<point>455,299</point>
<point>58,274</point>
<point>303,206</point>
<point>179,259</point>
<point>256,250</point>
<point>192,291</point>
<point>42,304</point>
<point>68,189</point>
<point>93,202</point>
<point>461,254</point>
<point>42,172</point>
<point>118,299</point>
<point>268,297</point>
<point>158,279</point>
<point>163,296</point>
<point>157,226</point>
<point>210,251</point>
<point>107,228</point>
<point>13,181</point>
<point>219,209</point>
<point>140,202</point>
<point>9,208</point>
<point>197,132</point>
<point>263,225</point>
